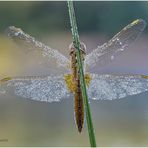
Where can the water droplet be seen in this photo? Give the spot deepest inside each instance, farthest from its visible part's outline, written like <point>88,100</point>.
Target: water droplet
<point>122,49</point>
<point>120,43</point>
<point>112,57</point>
<point>16,33</point>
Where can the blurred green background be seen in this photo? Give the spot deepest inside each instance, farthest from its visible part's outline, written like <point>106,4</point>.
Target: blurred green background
<point>28,123</point>
<point>50,17</point>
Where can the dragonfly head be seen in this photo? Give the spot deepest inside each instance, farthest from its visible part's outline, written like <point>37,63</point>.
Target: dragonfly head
<point>73,49</point>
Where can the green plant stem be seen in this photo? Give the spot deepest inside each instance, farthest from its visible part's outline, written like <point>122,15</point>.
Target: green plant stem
<point>76,42</point>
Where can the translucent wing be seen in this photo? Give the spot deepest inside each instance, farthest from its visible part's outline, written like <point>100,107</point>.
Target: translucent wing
<point>44,88</point>
<point>105,54</point>
<point>18,35</point>
<point>109,87</point>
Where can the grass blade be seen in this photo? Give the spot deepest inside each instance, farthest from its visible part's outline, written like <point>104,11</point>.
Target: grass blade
<point>76,42</point>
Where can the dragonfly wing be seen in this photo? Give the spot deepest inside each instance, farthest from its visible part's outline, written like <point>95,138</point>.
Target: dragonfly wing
<point>31,43</point>
<point>109,87</point>
<point>44,88</point>
<point>105,54</point>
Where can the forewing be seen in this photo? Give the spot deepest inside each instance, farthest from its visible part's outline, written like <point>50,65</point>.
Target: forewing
<point>46,88</point>
<point>30,42</point>
<point>109,87</point>
<point>105,54</point>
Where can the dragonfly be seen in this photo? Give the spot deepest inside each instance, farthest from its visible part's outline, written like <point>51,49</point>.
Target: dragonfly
<point>99,86</point>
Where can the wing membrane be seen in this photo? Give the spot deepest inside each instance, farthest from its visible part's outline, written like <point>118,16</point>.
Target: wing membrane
<point>44,88</point>
<point>109,87</point>
<point>105,54</point>
<point>30,42</point>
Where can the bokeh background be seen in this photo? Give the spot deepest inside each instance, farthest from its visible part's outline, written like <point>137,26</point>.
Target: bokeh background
<point>28,123</point>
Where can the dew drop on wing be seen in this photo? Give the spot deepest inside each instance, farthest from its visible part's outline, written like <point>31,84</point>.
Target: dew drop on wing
<point>48,89</point>
<point>102,54</point>
<point>53,56</point>
<point>110,87</point>
<point>112,57</point>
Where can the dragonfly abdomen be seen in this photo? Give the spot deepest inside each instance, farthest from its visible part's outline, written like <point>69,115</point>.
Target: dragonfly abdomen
<point>79,108</point>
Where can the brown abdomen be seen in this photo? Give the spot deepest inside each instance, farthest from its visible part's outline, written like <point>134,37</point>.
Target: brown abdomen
<point>79,108</point>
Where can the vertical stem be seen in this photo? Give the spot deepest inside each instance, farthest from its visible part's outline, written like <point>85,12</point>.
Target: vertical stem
<point>76,42</point>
